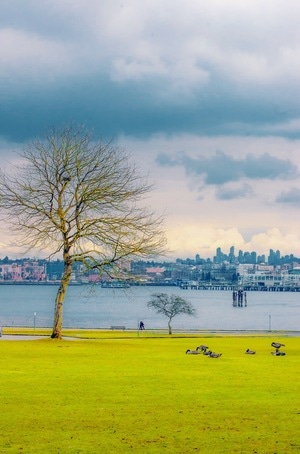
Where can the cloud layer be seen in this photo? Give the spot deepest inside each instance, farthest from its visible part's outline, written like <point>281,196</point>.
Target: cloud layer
<point>206,94</point>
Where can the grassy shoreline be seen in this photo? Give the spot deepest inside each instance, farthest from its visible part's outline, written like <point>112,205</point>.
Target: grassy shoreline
<point>83,333</point>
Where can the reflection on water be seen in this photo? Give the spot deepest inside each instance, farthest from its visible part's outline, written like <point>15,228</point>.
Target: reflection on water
<point>96,307</point>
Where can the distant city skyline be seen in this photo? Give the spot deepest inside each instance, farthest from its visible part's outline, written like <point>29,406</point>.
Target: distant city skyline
<point>272,257</point>
<point>219,256</point>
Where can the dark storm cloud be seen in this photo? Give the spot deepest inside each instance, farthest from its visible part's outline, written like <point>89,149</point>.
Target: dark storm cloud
<point>112,108</point>
<point>231,193</point>
<point>290,197</point>
<point>130,107</point>
<point>222,168</point>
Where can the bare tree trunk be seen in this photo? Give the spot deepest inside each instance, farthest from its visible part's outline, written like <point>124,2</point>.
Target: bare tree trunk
<point>59,301</point>
<point>170,328</point>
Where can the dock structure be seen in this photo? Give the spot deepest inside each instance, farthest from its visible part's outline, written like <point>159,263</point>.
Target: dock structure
<point>232,287</point>
<point>239,298</point>
<point>202,286</point>
<point>269,288</point>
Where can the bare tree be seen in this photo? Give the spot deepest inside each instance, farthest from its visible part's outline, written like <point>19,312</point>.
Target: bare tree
<point>82,200</point>
<point>170,306</point>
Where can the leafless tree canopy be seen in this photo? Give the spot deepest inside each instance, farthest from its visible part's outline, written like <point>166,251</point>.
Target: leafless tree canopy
<point>170,306</point>
<point>80,199</point>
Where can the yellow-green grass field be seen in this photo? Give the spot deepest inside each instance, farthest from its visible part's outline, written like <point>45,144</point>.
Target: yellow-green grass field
<point>143,394</point>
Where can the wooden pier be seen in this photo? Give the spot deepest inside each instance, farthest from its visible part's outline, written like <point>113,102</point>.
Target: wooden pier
<point>231,287</point>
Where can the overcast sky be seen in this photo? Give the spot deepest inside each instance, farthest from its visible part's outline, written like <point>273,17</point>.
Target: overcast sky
<point>205,94</point>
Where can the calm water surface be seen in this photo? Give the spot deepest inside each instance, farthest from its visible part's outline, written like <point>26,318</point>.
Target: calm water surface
<point>96,307</point>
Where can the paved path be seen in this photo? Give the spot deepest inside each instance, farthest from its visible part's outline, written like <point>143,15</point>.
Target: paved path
<point>24,337</point>
<point>19,337</point>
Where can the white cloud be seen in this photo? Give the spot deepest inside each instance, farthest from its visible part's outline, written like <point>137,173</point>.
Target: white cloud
<point>276,239</point>
<point>194,41</point>
<point>187,44</point>
<point>29,55</point>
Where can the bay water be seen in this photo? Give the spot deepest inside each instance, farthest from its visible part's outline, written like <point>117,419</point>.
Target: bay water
<point>91,306</point>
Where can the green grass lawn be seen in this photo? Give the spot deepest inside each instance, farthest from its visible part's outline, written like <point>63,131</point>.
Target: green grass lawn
<point>145,395</point>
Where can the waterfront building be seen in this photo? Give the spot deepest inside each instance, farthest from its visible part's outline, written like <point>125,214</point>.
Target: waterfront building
<point>22,271</point>
<point>268,276</point>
